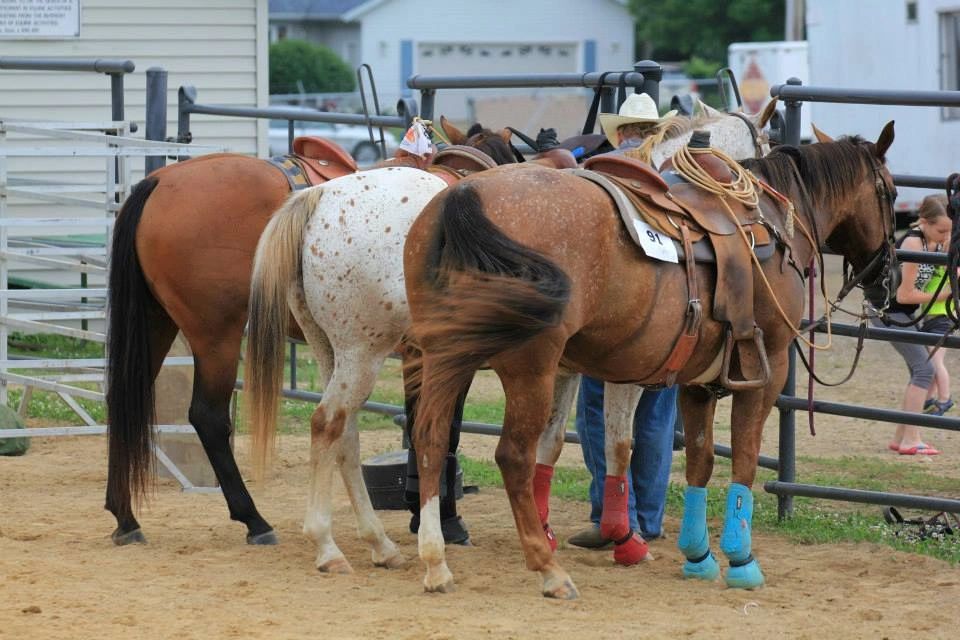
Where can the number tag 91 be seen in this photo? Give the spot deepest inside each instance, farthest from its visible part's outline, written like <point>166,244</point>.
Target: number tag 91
<point>654,243</point>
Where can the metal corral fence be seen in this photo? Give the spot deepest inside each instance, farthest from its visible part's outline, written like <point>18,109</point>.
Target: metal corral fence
<point>34,241</point>
<point>793,94</point>
<point>606,83</point>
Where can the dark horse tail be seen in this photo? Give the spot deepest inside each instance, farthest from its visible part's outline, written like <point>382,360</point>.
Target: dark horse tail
<point>130,401</point>
<point>488,294</point>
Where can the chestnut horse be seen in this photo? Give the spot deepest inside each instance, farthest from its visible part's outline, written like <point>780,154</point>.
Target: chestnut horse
<point>181,259</point>
<point>335,255</point>
<point>533,272</point>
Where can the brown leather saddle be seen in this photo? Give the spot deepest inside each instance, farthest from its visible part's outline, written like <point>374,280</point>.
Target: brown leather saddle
<point>314,161</point>
<point>456,161</point>
<point>703,231</point>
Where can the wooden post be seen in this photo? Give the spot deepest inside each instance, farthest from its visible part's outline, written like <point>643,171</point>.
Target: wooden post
<point>174,389</point>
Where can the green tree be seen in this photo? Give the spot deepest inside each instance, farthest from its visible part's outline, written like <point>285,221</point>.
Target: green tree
<point>682,29</point>
<point>317,67</point>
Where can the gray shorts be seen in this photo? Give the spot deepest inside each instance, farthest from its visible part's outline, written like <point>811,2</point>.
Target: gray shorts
<point>937,324</point>
<point>915,355</point>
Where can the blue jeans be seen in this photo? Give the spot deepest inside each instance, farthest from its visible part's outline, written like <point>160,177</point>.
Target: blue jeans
<point>649,474</point>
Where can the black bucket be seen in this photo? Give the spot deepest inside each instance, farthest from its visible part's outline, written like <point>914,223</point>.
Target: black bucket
<point>385,476</point>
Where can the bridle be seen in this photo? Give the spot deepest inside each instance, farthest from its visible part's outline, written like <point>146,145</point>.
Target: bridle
<point>761,139</point>
<point>882,262</point>
<point>884,259</point>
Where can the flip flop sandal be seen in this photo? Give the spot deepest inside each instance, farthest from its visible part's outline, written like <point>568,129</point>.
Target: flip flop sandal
<point>894,446</point>
<point>921,449</point>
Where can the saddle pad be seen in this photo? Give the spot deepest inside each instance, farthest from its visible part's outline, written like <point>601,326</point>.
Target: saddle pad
<point>630,209</point>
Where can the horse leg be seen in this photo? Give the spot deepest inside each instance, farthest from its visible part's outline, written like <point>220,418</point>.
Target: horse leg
<point>750,410</point>
<point>431,441</point>
<point>452,526</point>
<point>162,331</point>
<point>697,405</point>
<point>550,446</point>
<point>619,405</point>
<point>215,374</point>
<point>529,399</point>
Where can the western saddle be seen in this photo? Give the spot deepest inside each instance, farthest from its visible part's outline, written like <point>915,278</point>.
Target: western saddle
<point>705,227</point>
<point>317,160</point>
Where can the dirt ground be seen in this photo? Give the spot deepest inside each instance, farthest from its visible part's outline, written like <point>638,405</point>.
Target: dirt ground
<point>61,577</point>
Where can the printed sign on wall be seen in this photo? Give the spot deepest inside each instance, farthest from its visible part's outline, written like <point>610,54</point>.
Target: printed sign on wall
<point>22,19</point>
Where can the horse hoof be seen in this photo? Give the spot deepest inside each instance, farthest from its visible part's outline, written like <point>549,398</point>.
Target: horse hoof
<point>438,580</point>
<point>747,576</point>
<point>631,552</point>
<point>566,590</point>
<point>337,566</point>
<point>130,537</point>
<point>395,561</point>
<point>265,538</point>
<point>707,569</point>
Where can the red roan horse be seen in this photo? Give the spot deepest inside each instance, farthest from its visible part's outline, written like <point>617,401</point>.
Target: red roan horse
<point>532,271</point>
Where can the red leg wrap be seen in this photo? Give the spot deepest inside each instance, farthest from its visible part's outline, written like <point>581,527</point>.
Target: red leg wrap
<point>541,495</point>
<point>614,523</point>
<point>541,490</point>
<point>631,552</point>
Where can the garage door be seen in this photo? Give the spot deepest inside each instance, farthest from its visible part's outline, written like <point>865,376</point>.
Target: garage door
<point>444,58</point>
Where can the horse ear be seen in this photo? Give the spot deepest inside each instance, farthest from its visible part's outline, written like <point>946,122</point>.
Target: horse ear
<point>707,110</point>
<point>766,114</point>
<point>505,135</point>
<point>820,135</point>
<point>885,140</point>
<point>453,134</point>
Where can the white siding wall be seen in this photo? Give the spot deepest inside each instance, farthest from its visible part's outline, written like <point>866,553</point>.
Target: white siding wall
<point>493,21</point>
<point>219,46</point>
<point>885,52</point>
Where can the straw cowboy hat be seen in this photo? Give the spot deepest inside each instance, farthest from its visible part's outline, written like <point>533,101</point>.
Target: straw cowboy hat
<point>638,107</point>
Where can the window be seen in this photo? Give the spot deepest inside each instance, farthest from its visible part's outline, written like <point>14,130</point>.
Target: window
<point>911,11</point>
<point>950,59</point>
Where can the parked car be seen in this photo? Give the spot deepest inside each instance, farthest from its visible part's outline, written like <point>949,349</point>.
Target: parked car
<point>354,138</point>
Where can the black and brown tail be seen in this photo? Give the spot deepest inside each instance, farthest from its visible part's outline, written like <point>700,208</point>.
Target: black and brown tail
<point>130,392</point>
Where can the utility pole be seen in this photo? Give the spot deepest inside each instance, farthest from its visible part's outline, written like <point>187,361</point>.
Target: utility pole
<point>794,14</point>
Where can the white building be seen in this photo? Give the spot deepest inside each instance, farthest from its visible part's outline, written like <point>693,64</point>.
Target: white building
<point>890,44</point>
<point>219,46</point>
<point>401,38</point>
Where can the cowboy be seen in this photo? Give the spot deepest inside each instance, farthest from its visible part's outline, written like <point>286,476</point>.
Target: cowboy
<point>653,422</point>
<point>637,119</point>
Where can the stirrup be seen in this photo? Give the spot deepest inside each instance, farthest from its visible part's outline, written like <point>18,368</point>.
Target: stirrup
<point>728,347</point>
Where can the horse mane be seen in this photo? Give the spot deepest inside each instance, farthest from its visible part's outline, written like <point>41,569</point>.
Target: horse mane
<point>490,142</point>
<point>819,174</point>
<point>670,128</point>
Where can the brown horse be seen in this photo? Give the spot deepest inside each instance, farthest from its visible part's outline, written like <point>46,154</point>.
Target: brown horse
<point>533,271</point>
<point>181,259</point>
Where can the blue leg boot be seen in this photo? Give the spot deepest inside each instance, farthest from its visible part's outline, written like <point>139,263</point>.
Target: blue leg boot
<point>694,541</point>
<point>744,571</point>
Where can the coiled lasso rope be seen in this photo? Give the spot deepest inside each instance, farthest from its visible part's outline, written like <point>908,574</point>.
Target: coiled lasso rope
<point>744,189</point>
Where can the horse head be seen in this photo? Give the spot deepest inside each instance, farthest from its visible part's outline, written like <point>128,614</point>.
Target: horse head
<point>495,144</point>
<point>866,232</point>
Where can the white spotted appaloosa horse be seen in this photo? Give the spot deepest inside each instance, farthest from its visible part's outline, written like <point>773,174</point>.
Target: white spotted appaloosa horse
<point>334,254</point>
